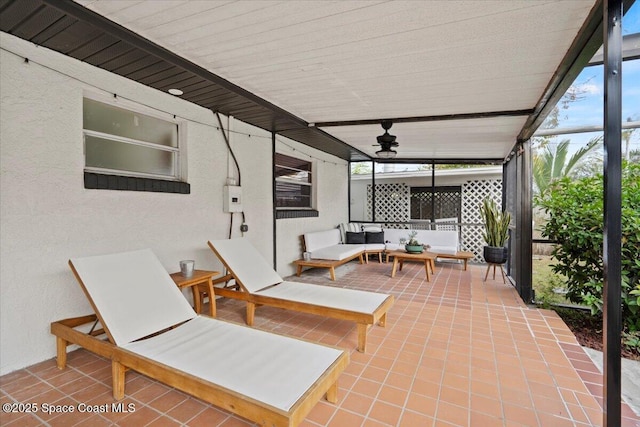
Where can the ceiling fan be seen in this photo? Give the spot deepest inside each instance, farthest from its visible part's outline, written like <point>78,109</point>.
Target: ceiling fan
<point>387,142</point>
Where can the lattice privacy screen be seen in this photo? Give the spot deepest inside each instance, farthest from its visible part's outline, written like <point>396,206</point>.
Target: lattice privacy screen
<point>473,193</point>
<point>392,202</point>
<point>446,203</point>
<point>393,206</point>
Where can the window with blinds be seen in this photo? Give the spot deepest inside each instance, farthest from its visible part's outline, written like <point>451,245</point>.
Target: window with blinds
<point>294,183</point>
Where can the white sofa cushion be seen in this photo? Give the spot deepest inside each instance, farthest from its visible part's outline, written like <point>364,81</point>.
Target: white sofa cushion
<point>393,235</point>
<point>447,240</point>
<point>374,246</point>
<point>445,250</point>
<point>337,252</point>
<point>440,241</point>
<point>321,239</point>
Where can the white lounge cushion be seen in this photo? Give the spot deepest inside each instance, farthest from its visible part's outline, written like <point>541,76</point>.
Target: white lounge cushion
<point>336,252</point>
<point>340,298</point>
<point>374,246</point>
<point>440,241</point>
<point>246,263</point>
<point>321,239</point>
<point>133,293</point>
<point>445,250</point>
<point>393,235</point>
<point>270,368</point>
<point>440,238</point>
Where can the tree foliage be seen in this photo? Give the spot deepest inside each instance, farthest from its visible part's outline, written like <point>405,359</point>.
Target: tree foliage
<point>576,220</point>
<point>360,168</point>
<point>553,162</point>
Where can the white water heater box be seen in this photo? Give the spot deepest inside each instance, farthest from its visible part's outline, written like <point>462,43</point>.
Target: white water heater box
<point>232,198</point>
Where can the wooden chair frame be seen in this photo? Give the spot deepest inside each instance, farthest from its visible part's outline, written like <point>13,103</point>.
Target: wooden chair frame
<point>363,320</point>
<point>70,331</point>
<point>123,360</point>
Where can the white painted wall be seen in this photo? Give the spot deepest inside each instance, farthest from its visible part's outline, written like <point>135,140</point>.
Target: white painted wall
<point>332,178</point>
<point>47,217</point>
<point>444,177</point>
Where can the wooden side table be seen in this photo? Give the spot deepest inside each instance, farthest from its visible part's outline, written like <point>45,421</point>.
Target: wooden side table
<point>204,277</point>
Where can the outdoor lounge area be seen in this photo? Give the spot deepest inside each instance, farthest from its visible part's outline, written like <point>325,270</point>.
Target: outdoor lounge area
<point>325,168</point>
<point>456,351</point>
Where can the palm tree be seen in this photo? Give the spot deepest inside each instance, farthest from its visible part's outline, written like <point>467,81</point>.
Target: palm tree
<point>553,162</point>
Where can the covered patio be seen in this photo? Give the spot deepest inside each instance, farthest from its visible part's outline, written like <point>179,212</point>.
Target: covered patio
<point>255,84</point>
<point>457,351</point>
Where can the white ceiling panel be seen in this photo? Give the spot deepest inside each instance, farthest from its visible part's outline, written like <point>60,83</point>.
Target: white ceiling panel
<point>449,139</point>
<point>327,61</point>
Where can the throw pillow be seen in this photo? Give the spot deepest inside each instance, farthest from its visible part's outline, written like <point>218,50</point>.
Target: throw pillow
<point>355,238</point>
<point>374,237</point>
<point>348,226</point>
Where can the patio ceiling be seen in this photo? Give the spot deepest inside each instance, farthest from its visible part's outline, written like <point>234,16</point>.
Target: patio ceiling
<point>460,79</point>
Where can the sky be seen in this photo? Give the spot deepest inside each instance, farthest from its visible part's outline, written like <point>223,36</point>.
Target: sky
<point>588,110</point>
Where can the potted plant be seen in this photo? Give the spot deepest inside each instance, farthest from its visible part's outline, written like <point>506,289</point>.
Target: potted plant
<point>413,246</point>
<point>496,231</point>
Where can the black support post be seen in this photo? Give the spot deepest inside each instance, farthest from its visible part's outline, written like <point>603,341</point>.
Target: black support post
<point>373,192</point>
<point>524,218</point>
<point>433,195</point>
<point>612,318</point>
<point>349,164</point>
<point>273,201</point>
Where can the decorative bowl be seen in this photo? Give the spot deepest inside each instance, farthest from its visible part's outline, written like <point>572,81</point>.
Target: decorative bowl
<point>414,249</point>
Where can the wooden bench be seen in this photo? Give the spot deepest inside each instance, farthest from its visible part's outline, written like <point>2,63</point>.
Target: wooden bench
<point>326,263</point>
<point>460,255</point>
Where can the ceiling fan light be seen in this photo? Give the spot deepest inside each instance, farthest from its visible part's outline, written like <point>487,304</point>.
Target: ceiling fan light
<point>386,154</point>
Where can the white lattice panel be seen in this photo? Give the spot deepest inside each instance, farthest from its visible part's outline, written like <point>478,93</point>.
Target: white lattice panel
<point>473,193</point>
<point>392,202</point>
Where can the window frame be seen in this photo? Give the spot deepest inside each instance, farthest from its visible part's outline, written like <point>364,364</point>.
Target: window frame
<point>117,179</point>
<point>295,212</point>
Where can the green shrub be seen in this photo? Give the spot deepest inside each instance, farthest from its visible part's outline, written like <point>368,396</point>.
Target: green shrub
<point>576,220</point>
<point>548,285</point>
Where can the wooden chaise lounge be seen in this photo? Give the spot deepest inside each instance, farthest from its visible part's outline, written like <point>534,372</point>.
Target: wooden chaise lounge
<point>269,379</point>
<point>258,284</point>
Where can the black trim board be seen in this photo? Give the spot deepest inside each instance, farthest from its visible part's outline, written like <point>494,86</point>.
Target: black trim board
<point>296,213</point>
<point>96,181</point>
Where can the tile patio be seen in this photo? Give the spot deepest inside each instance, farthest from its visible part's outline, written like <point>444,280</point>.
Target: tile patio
<point>456,352</point>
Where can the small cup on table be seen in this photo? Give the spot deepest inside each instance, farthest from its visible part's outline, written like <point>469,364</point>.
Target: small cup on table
<point>187,267</point>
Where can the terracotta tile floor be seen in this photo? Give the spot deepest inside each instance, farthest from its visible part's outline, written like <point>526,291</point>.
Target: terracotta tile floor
<point>456,352</point>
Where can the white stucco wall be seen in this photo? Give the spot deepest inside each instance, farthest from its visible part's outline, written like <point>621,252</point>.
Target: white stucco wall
<point>331,176</point>
<point>47,216</point>
<point>444,177</point>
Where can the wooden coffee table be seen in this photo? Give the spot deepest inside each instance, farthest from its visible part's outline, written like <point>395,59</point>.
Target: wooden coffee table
<point>400,256</point>
<point>460,255</point>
